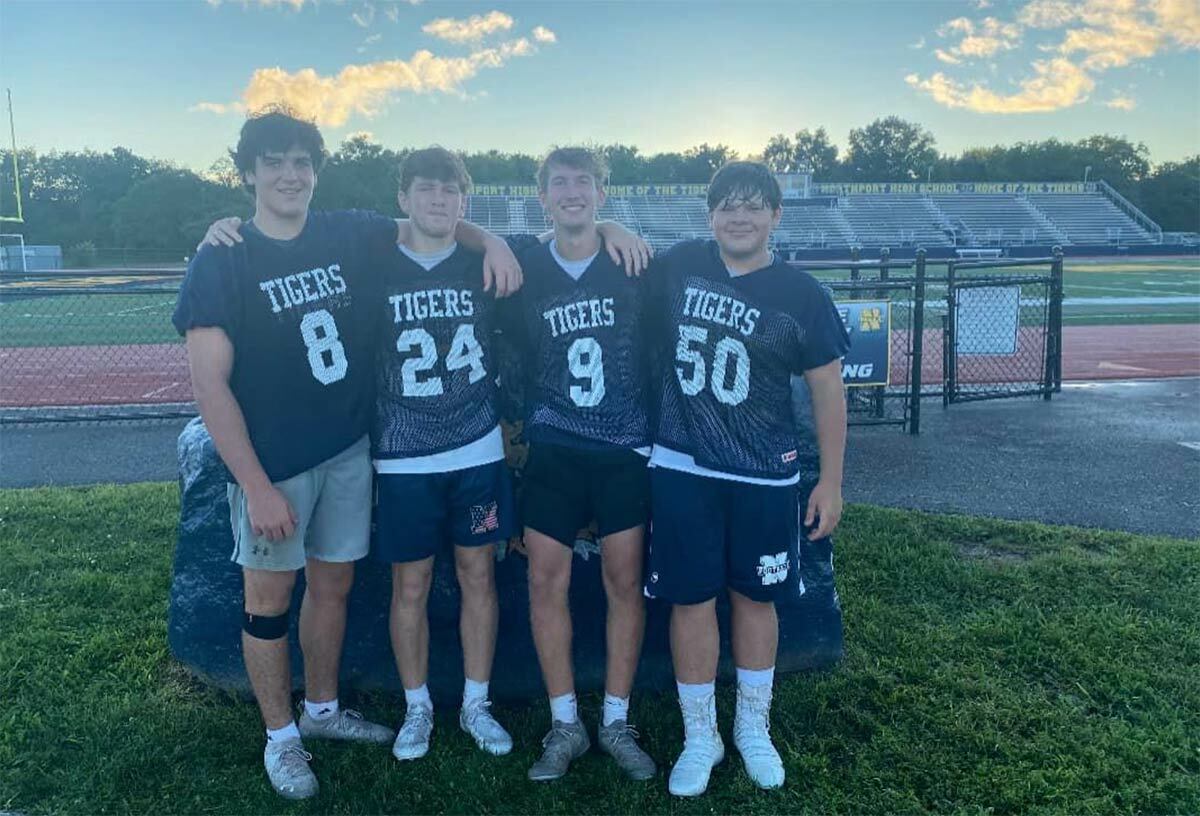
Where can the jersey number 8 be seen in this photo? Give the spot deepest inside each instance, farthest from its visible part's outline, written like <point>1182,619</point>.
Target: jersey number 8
<point>727,348</point>
<point>322,343</point>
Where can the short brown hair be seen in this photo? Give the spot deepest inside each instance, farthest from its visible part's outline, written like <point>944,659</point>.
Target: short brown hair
<point>577,158</point>
<point>435,163</point>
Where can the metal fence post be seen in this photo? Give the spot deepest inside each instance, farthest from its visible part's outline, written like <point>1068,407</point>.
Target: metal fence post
<point>949,341</point>
<point>917,343</point>
<point>1053,378</point>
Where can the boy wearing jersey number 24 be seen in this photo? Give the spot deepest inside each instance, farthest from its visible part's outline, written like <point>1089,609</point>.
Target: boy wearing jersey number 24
<point>281,340</point>
<point>724,468</point>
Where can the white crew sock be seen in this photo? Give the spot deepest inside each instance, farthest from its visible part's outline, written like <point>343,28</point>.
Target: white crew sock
<point>289,731</point>
<point>474,692</point>
<point>321,711</point>
<point>756,678</point>
<point>615,708</point>
<point>563,708</point>
<point>418,696</point>
<point>693,694</point>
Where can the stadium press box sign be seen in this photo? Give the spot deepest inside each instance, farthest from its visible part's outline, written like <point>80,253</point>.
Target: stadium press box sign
<point>951,188</point>
<point>869,324</point>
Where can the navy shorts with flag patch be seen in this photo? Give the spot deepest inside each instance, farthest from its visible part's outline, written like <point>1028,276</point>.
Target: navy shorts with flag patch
<point>417,514</point>
<point>708,535</point>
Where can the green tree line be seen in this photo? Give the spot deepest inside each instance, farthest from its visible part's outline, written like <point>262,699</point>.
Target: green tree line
<point>87,201</point>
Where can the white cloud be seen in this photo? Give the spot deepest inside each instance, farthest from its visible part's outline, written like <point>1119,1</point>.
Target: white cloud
<point>1093,36</point>
<point>1057,83</point>
<point>295,5</point>
<point>918,45</point>
<point>365,17</point>
<point>544,35</point>
<point>218,108</point>
<point>392,13</point>
<point>472,29</point>
<point>363,90</point>
<point>1120,102</point>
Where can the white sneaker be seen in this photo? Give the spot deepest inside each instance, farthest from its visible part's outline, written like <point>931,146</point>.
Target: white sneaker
<point>413,740</point>
<point>347,724</point>
<point>752,736</point>
<point>286,762</point>
<point>477,720</point>
<point>703,749</point>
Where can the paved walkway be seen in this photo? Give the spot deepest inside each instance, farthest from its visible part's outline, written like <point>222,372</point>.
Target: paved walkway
<point>1115,455</point>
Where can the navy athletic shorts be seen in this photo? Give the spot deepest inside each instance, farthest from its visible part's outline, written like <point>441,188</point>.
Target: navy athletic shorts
<point>417,514</point>
<point>709,534</point>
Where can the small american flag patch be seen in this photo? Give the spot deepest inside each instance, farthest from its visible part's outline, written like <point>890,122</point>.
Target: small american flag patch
<point>790,456</point>
<point>485,518</point>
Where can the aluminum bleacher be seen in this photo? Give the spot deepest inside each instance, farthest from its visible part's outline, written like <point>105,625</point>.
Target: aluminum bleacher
<point>1090,218</point>
<point>962,219</point>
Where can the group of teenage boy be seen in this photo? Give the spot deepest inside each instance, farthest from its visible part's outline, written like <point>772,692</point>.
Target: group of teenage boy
<point>343,363</point>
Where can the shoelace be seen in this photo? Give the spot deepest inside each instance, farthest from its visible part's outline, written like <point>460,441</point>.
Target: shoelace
<point>562,732</point>
<point>627,731</point>
<point>298,751</point>
<point>416,718</point>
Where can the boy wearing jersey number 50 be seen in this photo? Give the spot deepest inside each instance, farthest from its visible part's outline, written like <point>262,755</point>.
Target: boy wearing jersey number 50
<point>724,465</point>
<point>281,338</point>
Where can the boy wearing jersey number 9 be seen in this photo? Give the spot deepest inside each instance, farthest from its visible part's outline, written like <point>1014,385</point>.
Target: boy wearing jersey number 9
<point>724,468</point>
<point>580,325</point>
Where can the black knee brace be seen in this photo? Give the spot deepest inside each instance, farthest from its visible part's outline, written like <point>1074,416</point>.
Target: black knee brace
<point>265,627</point>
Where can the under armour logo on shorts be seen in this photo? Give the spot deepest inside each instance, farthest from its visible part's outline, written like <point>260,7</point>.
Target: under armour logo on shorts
<point>485,518</point>
<point>773,569</point>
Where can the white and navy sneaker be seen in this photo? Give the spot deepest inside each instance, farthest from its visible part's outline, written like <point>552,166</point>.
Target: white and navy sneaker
<point>476,719</point>
<point>412,742</point>
<point>752,736</point>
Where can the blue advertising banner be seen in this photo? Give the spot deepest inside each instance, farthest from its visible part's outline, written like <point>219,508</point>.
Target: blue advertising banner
<point>869,360</point>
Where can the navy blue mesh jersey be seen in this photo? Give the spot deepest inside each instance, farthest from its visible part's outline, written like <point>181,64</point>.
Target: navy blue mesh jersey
<point>435,383</point>
<point>734,343</point>
<point>582,352</point>
<point>300,315</point>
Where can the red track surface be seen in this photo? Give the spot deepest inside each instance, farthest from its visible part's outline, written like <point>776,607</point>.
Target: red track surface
<point>153,374</point>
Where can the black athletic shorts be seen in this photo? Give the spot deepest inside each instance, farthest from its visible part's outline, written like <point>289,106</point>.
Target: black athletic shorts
<point>565,488</point>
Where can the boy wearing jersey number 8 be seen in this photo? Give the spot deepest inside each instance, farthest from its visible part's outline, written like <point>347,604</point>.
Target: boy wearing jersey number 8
<point>281,340</point>
<point>580,331</point>
<point>725,463</point>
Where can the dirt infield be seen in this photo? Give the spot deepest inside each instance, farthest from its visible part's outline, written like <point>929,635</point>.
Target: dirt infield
<point>46,376</point>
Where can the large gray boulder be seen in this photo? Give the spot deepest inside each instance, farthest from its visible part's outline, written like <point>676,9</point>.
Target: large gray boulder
<point>204,625</point>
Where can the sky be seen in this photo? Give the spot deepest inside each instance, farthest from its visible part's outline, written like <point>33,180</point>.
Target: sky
<point>174,79</point>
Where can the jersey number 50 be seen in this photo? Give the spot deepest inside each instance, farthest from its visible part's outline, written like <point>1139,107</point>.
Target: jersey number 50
<point>727,348</point>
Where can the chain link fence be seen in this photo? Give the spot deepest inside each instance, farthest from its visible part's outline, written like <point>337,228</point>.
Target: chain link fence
<point>98,344</point>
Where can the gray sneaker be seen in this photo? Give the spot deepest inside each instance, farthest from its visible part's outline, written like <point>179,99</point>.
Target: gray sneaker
<point>347,724</point>
<point>619,741</point>
<point>287,768</point>
<point>565,742</point>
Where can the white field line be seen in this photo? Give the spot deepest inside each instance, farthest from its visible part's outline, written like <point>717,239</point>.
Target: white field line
<point>1193,445</point>
<point>158,391</point>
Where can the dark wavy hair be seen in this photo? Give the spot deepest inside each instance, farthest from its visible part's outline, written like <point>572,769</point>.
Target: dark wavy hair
<point>276,130</point>
<point>744,181</point>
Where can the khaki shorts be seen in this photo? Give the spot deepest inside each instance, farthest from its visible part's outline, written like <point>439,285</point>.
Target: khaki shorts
<point>332,502</point>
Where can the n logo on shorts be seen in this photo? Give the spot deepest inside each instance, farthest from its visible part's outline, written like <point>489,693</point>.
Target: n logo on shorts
<point>773,569</point>
<point>485,518</point>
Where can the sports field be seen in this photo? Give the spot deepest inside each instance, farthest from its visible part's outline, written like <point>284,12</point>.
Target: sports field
<point>92,311</point>
<point>991,667</point>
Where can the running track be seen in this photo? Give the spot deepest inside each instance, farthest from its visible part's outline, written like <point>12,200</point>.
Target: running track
<point>152,374</point>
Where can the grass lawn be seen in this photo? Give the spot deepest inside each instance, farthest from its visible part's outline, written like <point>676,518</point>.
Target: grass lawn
<point>991,667</point>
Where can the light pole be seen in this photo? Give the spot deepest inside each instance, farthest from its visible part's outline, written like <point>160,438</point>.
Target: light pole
<point>1087,171</point>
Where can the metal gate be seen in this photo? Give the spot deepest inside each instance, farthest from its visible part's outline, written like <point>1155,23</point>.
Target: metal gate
<point>1002,329</point>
